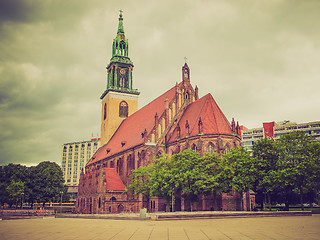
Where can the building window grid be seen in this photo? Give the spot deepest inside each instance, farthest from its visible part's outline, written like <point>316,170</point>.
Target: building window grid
<point>71,159</point>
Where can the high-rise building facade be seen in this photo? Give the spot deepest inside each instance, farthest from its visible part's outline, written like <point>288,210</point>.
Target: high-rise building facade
<point>276,130</point>
<point>75,156</point>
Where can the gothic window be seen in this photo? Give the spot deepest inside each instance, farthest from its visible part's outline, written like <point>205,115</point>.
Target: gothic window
<point>120,166</point>
<point>130,163</point>
<point>210,148</point>
<point>105,111</point>
<point>123,109</point>
<point>122,48</point>
<point>194,147</point>
<point>177,150</point>
<point>159,130</point>
<point>227,149</point>
<point>120,208</point>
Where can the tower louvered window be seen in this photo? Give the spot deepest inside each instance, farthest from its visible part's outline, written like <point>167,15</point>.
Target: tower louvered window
<point>123,109</point>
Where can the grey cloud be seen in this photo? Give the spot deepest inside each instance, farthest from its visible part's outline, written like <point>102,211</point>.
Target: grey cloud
<point>15,10</point>
<point>255,59</point>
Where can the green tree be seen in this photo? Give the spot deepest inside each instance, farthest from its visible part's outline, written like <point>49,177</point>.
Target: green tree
<point>242,168</point>
<point>214,176</point>
<point>16,192</point>
<point>186,173</point>
<point>266,166</point>
<point>140,182</point>
<point>163,181</point>
<point>46,182</point>
<point>9,173</point>
<point>299,155</point>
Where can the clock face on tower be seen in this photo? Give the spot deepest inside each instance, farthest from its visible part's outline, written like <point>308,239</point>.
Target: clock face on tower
<point>123,78</point>
<point>122,71</point>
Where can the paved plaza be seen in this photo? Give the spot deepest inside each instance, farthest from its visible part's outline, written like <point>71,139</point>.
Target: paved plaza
<point>292,227</point>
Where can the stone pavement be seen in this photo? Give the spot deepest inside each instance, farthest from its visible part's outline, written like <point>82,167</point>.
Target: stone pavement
<point>286,227</point>
<point>184,215</point>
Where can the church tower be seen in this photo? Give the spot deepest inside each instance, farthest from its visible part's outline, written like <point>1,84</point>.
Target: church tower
<point>119,100</point>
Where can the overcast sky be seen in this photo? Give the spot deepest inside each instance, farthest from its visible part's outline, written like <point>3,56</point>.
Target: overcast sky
<point>259,59</point>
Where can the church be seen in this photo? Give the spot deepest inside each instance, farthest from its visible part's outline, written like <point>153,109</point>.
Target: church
<point>130,138</point>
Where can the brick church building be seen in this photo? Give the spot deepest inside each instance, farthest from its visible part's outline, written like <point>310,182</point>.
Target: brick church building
<point>131,138</point>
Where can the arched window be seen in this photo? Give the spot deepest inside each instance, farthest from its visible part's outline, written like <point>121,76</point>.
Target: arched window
<point>120,208</point>
<point>227,148</point>
<point>113,199</point>
<point>122,48</point>
<point>159,130</point>
<point>194,147</point>
<point>173,109</point>
<point>130,163</point>
<point>123,109</point>
<point>105,111</point>
<point>177,150</point>
<point>210,148</point>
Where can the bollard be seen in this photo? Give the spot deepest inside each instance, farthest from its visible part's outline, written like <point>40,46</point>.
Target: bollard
<point>143,214</point>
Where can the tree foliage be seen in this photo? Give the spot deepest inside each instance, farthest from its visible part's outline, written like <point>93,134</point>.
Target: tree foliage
<point>275,170</point>
<point>300,159</point>
<point>15,191</point>
<point>266,165</point>
<point>241,165</point>
<point>162,179</point>
<point>140,182</point>
<point>286,168</point>
<point>41,183</point>
<point>192,175</point>
<point>214,176</point>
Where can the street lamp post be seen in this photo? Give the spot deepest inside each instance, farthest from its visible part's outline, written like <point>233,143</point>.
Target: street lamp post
<point>22,195</point>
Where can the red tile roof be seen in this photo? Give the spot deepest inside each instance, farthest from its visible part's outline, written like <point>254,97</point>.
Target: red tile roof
<point>114,182</point>
<point>129,131</point>
<point>212,118</point>
<point>128,134</point>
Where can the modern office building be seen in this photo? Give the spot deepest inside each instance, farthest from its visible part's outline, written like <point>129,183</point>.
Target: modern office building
<point>75,156</point>
<point>275,130</point>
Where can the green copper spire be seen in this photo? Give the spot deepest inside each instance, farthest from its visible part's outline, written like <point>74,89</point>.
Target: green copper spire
<point>120,26</point>
<point>120,68</point>
<point>120,45</point>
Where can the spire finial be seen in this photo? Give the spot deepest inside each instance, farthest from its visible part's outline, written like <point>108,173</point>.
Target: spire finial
<point>120,26</point>
<point>185,59</point>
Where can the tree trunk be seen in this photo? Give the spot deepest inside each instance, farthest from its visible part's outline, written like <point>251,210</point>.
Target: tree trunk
<point>241,196</point>
<point>148,200</point>
<point>172,202</point>
<point>287,206</point>
<point>269,201</point>
<point>301,200</point>
<point>264,201</point>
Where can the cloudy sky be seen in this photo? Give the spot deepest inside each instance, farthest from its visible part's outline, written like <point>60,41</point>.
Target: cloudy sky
<point>259,59</point>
